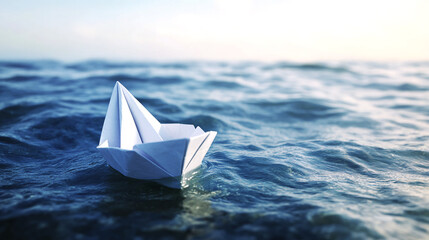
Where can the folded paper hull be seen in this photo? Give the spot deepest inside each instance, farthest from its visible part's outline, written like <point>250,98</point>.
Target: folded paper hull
<point>136,144</point>
<point>163,162</point>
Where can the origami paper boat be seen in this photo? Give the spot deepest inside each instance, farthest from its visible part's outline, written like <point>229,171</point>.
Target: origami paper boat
<point>134,143</point>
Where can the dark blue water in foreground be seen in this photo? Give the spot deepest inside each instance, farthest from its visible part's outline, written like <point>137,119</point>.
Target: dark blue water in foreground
<point>306,151</point>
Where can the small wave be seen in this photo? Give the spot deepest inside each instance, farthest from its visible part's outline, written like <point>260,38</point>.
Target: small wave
<point>421,215</point>
<point>89,175</point>
<point>238,74</point>
<point>417,109</point>
<point>410,87</point>
<point>16,150</point>
<point>159,105</point>
<point>292,110</point>
<point>295,104</point>
<point>68,132</point>
<point>107,65</point>
<point>359,122</point>
<point>337,160</point>
<point>20,78</point>
<point>10,140</point>
<point>139,78</point>
<point>18,65</point>
<point>150,80</point>
<point>92,65</point>
<point>14,113</point>
<point>223,84</point>
<point>207,122</point>
<point>307,116</point>
<point>175,65</point>
<point>165,80</point>
<point>249,124</point>
<point>412,154</point>
<point>125,78</point>
<point>263,170</point>
<point>306,67</point>
<point>338,226</point>
<point>401,87</point>
<point>247,147</point>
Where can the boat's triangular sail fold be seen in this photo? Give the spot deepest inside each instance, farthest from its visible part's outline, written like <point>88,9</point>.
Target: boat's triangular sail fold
<point>145,122</point>
<point>129,134</point>
<point>111,129</point>
<point>128,122</point>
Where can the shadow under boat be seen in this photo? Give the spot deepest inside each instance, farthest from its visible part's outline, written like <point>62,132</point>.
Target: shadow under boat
<point>126,195</point>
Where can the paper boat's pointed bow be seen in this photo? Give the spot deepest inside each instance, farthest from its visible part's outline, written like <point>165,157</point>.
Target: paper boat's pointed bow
<point>137,145</point>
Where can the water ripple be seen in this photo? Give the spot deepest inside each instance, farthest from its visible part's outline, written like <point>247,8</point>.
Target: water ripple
<point>326,150</point>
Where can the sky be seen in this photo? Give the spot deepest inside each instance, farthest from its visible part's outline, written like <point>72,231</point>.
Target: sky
<point>164,30</point>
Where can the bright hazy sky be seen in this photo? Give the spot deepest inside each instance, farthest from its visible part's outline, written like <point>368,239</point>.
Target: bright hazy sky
<point>300,30</point>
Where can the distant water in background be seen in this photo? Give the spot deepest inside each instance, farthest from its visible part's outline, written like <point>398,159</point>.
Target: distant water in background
<point>335,150</point>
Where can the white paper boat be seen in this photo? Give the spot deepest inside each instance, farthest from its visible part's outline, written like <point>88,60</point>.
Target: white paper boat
<point>134,143</point>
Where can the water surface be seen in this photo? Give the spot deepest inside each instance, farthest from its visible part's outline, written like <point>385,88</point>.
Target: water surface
<point>332,150</point>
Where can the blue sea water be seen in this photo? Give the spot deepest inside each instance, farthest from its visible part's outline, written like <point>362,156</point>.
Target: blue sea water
<point>327,150</point>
